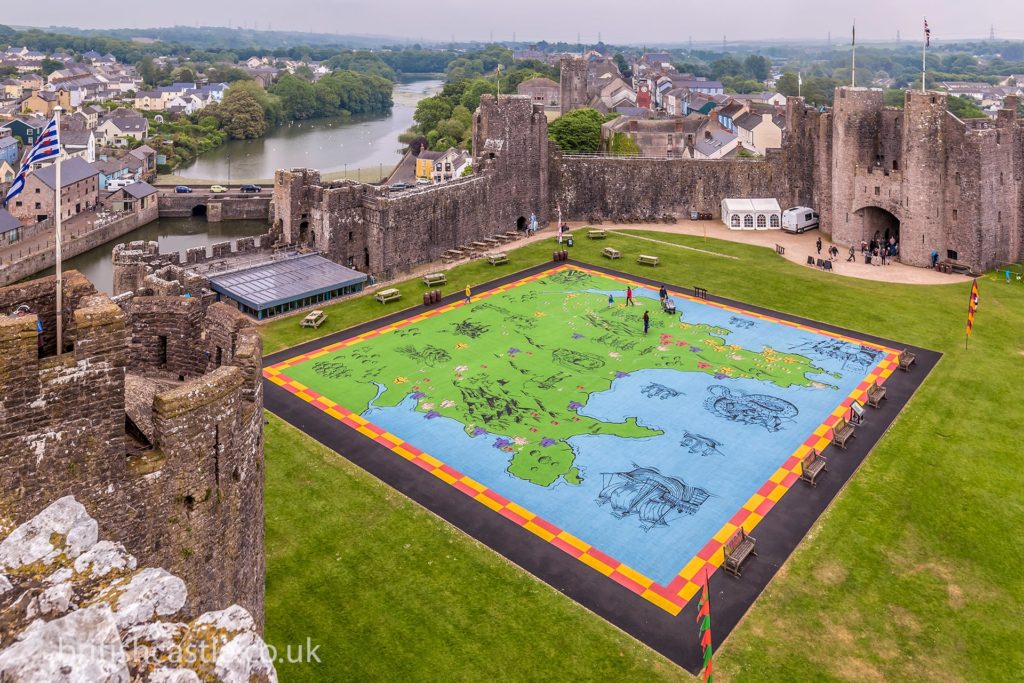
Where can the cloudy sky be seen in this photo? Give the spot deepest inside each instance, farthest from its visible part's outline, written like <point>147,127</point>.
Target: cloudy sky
<point>649,21</point>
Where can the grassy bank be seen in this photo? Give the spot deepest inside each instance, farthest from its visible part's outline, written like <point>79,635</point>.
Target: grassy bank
<point>913,574</point>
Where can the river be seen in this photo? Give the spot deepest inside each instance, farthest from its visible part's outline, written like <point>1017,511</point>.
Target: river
<point>325,144</point>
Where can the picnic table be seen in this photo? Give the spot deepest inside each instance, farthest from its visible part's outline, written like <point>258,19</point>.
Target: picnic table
<point>597,234</point>
<point>496,258</point>
<point>434,279</point>
<point>314,319</point>
<point>513,235</point>
<point>647,260</point>
<point>611,253</point>
<point>386,295</point>
<point>478,246</point>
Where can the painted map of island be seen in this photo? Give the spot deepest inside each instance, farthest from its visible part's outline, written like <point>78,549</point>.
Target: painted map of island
<point>552,396</point>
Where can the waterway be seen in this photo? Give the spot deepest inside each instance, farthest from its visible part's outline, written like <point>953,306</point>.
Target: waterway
<point>332,144</point>
<point>326,144</point>
<point>173,234</point>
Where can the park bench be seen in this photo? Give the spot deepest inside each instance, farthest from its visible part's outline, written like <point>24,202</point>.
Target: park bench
<point>780,250</point>
<point>499,257</point>
<point>906,359</point>
<point>811,466</point>
<point>842,431</point>
<point>314,319</point>
<point>434,279</point>
<point>876,392</point>
<point>738,548</point>
<point>647,260</point>
<point>700,293</point>
<point>611,253</point>
<point>479,246</point>
<point>597,234</point>
<point>386,295</point>
<point>513,235</point>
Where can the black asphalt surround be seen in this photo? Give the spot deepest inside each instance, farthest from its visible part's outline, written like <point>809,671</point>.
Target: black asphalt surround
<point>675,637</point>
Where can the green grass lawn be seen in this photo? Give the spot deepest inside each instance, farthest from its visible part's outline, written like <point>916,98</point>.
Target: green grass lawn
<point>913,574</point>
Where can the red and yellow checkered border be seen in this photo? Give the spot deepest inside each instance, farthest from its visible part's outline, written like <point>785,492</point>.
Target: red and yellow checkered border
<point>672,597</point>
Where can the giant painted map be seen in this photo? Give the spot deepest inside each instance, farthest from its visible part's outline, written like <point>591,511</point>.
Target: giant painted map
<point>547,398</point>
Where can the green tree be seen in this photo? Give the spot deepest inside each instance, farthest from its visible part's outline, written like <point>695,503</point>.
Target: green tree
<point>894,97</point>
<point>430,111</point>
<point>241,115</point>
<point>50,65</point>
<point>964,107</point>
<point>787,84</point>
<point>624,68</point>
<point>757,67</point>
<point>149,71</point>
<point>298,98</point>
<point>578,131</point>
<point>304,72</point>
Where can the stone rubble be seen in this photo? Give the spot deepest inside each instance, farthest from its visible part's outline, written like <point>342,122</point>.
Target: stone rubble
<point>76,609</point>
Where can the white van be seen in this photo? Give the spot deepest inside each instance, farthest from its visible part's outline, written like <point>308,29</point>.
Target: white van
<point>119,183</point>
<point>799,219</point>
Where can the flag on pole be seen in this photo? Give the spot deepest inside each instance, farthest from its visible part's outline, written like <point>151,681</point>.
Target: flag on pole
<point>46,147</point>
<point>972,306</point>
<point>704,621</point>
<point>927,33</point>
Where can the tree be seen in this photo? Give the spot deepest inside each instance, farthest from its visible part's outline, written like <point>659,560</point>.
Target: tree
<point>757,67</point>
<point>894,97</point>
<point>304,72</point>
<point>50,65</point>
<point>241,115</point>
<point>298,99</point>
<point>578,131</point>
<point>964,107</point>
<point>624,145</point>
<point>149,71</point>
<point>624,68</point>
<point>787,84</point>
<point>429,112</point>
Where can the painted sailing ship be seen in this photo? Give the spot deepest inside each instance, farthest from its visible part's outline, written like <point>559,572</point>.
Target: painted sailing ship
<point>652,496</point>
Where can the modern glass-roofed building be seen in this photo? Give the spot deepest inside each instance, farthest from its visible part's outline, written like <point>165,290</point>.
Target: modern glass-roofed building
<point>277,287</point>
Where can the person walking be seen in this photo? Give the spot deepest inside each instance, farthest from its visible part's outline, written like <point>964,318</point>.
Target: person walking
<point>611,301</point>
<point>663,293</point>
<point>469,294</point>
<point>853,255</point>
<point>818,245</point>
<point>629,297</point>
<point>647,322</point>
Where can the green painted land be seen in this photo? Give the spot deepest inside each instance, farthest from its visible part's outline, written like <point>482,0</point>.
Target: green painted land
<point>521,364</point>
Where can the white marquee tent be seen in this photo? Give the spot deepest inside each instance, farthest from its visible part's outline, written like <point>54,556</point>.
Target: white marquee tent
<point>751,214</point>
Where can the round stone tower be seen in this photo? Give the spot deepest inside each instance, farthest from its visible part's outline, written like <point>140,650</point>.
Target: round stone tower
<point>855,124</point>
<point>924,176</point>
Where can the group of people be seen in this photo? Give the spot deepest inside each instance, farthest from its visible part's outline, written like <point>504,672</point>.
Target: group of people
<point>878,251</point>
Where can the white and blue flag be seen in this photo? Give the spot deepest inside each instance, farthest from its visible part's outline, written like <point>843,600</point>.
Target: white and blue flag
<point>46,147</point>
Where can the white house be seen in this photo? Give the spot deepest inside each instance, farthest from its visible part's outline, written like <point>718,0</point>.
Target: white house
<point>79,143</point>
<point>751,214</point>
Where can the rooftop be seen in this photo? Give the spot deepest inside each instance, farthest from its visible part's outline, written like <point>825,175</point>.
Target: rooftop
<point>280,282</point>
<point>72,171</point>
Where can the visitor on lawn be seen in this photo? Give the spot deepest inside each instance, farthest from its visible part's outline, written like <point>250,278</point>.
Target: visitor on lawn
<point>647,322</point>
<point>663,293</point>
<point>469,294</point>
<point>611,301</point>
<point>629,297</point>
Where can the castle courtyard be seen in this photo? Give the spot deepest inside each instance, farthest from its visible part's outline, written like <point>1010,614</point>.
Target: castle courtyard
<point>392,587</point>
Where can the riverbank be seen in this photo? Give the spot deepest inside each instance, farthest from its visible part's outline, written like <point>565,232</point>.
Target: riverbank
<point>369,174</point>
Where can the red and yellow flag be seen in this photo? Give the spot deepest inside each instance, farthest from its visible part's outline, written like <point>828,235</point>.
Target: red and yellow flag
<point>972,306</point>
<point>704,620</point>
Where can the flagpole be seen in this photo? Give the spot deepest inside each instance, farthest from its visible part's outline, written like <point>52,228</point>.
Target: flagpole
<point>57,239</point>
<point>853,71</point>
<point>924,54</point>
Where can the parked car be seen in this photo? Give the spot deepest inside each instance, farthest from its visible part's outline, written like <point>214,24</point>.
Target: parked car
<point>399,186</point>
<point>183,189</point>
<point>799,219</point>
<point>251,188</point>
<point>217,188</point>
<point>422,181</point>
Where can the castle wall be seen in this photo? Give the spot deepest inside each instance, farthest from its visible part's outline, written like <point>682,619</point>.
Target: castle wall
<point>647,189</point>
<point>573,84</point>
<point>189,496</point>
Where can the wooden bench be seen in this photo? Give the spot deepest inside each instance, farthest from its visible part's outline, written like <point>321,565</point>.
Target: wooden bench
<point>876,392</point>
<point>434,279</point>
<point>495,259</point>
<point>314,319</point>
<point>738,548</point>
<point>513,235</point>
<point>811,466</point>
<point>700,293</point>
<point>906,359</point>
<point>842,431</point>
<point>647,260</point>
<point>780,250</point>
<point>597,234</point>
<point>386,295</point>
<point>611,253</point>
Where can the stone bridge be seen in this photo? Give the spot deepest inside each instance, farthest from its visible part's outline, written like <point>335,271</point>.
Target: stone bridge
<point>216,207</point>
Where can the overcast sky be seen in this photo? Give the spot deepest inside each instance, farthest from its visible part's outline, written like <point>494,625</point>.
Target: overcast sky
<point>647,21</point>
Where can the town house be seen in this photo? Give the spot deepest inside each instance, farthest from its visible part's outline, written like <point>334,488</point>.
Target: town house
<point>79,191</point>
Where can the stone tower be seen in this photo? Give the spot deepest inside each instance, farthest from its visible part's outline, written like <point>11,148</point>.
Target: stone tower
<point>923,224</point>
<point>573,82</point>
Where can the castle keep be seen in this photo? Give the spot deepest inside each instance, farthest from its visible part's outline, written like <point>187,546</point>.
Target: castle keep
<point>935,182</point>
<point>151,416</point>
